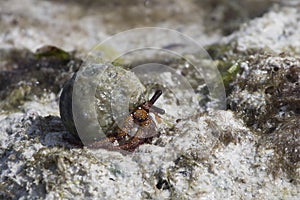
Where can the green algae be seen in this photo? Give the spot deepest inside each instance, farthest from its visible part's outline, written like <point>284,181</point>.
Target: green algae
<point>52,51</point>
<point>228,62</point>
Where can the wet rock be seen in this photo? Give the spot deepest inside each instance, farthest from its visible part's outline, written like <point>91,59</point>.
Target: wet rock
<point>28,75</point>
<point>285,141</point>
<point>38,162</point>
<point>267,91</point>
<point>277,30</point>
<point>229,15</point>
<point>266,94</point>
<point>264,90</point>
<point>211,155</point>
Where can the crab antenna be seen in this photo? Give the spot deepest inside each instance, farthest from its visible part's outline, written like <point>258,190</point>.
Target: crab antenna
<point>155,97</point>
<point>158,110</point>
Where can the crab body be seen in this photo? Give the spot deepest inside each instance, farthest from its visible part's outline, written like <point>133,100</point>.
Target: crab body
<point>138,128</point>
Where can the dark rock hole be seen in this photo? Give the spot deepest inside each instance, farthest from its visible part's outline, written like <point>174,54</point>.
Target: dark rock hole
<point>163,184</point>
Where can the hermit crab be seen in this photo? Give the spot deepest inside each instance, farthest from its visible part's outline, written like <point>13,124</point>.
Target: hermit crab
<point>138,128</point>
<point>127,132</point>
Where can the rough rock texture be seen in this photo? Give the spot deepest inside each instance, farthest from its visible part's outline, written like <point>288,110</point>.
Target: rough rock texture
<point>28,76</point>
<point>278,30</point>
<point>267,91</point>
<point>248,152</point>
<point>78,25</point>
<point>266,94</point>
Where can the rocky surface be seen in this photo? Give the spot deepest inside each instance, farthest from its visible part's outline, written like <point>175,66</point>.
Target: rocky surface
<point>276,31</point>
<point>250,151</point>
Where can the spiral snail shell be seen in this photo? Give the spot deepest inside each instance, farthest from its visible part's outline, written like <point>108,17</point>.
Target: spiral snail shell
<point>113,78</point>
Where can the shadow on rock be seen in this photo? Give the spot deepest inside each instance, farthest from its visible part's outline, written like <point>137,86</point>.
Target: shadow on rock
<point>52,133</point>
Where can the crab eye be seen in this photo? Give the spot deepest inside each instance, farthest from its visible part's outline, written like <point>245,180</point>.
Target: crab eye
<point>140,115</point>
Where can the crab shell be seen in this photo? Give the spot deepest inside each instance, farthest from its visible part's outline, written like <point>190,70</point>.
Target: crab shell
<point>112,78</point>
